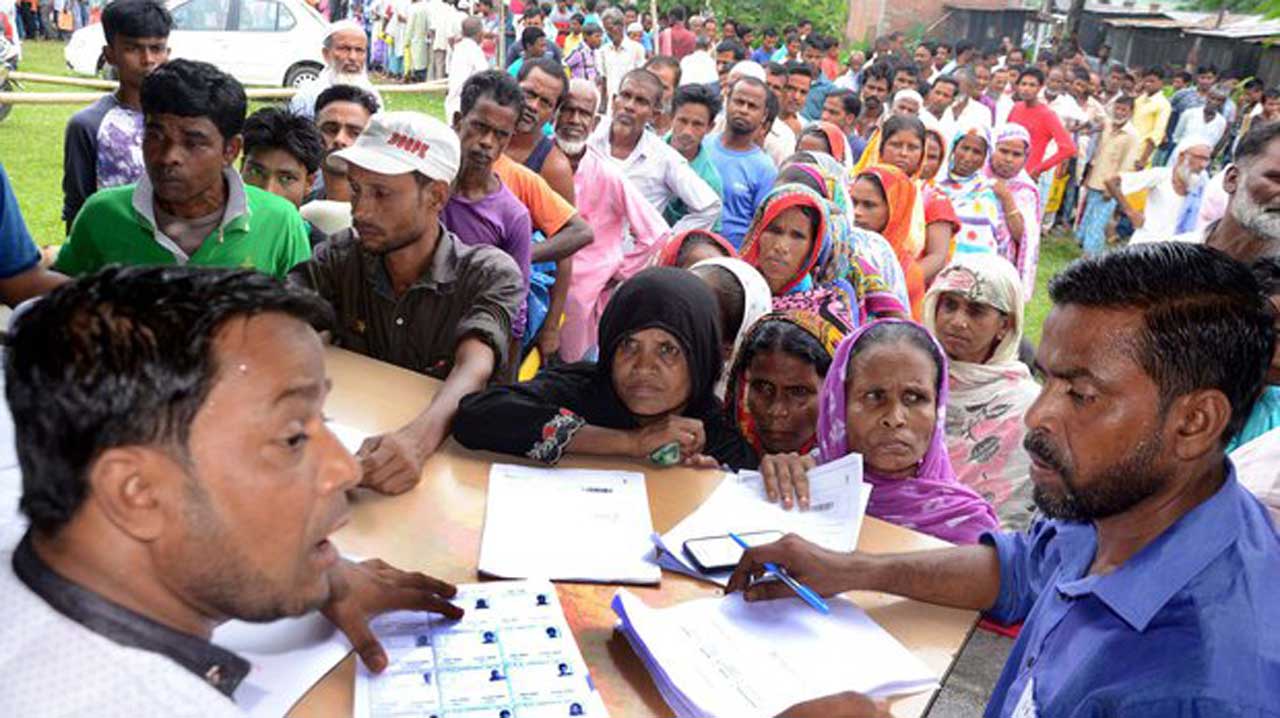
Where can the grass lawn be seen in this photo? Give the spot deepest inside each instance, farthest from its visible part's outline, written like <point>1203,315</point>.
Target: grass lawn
<point>31,150</point>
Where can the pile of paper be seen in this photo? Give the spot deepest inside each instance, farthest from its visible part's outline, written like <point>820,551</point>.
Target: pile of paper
<point>512,654</point>
<point>567,524</point>
<point>726,657</point>
<point>837,502</point>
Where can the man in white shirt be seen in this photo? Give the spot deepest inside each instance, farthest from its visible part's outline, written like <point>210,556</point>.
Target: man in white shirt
<point>938,103</point>
<point>619,55</point>
<point>699,67</point>
<point>345,51</point>
<point>182,480</point>
<point>1206,121</point>
<point>466,60</point>
<point>657,170</point>
<point>1173,193</point>
<point>446,24</point>
<point>968,110</point>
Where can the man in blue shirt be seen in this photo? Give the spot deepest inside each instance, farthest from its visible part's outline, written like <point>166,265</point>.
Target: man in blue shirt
<point>746,172</point>
<point>21,276</point>
<point>814,48</point>
<point>1149,587</point>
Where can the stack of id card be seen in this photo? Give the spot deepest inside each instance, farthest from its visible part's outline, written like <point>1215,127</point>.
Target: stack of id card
<point>511,656</point>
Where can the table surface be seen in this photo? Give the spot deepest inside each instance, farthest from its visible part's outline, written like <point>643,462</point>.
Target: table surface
<point>436,529</point>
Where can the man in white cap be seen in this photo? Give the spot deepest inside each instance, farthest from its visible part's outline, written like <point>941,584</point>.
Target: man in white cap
<point>345,51</point>
<point>407,291</point>
<point>1173,192</point>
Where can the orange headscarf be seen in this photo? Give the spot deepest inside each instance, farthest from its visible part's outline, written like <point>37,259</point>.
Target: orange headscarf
<point>837,140</point>
<point>670,252</point>
<point>900,194</point>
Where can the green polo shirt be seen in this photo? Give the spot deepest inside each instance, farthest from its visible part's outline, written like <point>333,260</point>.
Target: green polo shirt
<point>117,226</point>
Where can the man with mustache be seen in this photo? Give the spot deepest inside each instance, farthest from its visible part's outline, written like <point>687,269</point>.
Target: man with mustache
<point>190,207</point>
<point>408,291</point>
<point>1250,229</point>
<point>1173,192</point>
<point>345,50</point>
<point>1146,588</point>
<point>182,478</point>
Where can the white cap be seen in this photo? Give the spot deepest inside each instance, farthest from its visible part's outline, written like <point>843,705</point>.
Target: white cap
<point>340,25</point>
<point>396,143</point>
<point>635,27</point>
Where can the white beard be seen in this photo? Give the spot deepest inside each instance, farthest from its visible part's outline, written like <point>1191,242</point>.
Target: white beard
<point>359,79</point>
<point>573,148</point>
<point>1255,217</point>
<point>1192,180</point>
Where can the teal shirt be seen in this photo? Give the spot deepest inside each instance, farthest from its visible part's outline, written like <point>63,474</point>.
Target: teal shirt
<point>706,169</point>
<point>1264,417</point>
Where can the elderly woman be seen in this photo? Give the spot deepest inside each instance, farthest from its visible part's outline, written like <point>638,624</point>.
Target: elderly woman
<point>982,204</point>
<point>975,310</point>
<point>1007,165</point>
<point>651,395</point>
<point>885,397</point>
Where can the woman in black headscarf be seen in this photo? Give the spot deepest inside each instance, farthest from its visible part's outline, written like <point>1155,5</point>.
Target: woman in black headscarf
<point>650,396</point>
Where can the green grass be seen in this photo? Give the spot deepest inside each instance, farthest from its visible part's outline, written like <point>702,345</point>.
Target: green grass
<point>1057,250</point>
<point>31,140</point>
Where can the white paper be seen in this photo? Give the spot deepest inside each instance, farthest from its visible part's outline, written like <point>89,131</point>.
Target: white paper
<point>567,524</point>
<point>726,657</point>
<point>511,655</point>
<point>837,503</point>
<point>287,657</point>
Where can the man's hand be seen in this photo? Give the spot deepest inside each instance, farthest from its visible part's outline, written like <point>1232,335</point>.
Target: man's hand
<point>827,572</point>
<point>361,591</point>
<point>786,475</point>
<point>391,463</point>
<point>841,705</point>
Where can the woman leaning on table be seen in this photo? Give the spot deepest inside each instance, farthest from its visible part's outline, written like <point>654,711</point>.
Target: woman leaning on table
<point>651,395</point>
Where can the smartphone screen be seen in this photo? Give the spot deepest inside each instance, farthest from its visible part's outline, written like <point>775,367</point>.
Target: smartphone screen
<point>721,553</point>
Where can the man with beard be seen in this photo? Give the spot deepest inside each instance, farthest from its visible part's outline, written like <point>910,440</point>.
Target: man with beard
<point>1149,548</point>
<point>627,229</point>
<point>657,170</point>
<point>1173,192</point>
<point>745,170</point>
<point>407,291</point>
<point>694,113</point>
<point>346,48</point>
<point>190,207</point>
<point>1250,229</point>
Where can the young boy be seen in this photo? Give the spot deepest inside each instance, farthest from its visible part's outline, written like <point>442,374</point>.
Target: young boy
<point>103,146</point>
<point>1117,147</point>
<point>282,153</point>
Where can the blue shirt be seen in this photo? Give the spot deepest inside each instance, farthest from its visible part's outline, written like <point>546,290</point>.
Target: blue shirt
<point>1187,627</point>
<point>745,179</point>
<point>762,56</point>
<point>1264,417</point>
<point>818,92</point>
<point>17,252</point>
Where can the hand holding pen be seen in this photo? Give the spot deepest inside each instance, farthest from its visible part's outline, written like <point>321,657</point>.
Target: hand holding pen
<point>820,571</point>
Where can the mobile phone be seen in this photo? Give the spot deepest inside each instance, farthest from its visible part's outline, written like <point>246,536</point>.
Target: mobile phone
<point>721,553</point>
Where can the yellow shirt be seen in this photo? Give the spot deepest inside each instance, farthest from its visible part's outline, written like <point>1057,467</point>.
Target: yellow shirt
<point>1116,153</point>
<point>1151,117</point>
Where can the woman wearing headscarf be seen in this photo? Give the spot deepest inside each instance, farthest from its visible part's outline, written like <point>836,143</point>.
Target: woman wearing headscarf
<point>935,151</point>
<point>826,138</point>
<point>1007,165</point>
<point>651,395</point>
<point>885,398</point>
<point>742,297</point>
<point>777,377</point>
<point>883,201</point>
<point>979,207</point>
<point>975,310</point>
<point>688,248</point>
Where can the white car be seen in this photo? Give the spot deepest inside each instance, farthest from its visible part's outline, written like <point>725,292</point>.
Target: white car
<point>259,42</point>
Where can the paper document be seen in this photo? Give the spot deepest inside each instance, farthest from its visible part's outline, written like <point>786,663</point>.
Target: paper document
<point>726,657</point>
<point>287,657</point>
<point>511,656</point>
<point>837,503</point>
<point>567,524</point>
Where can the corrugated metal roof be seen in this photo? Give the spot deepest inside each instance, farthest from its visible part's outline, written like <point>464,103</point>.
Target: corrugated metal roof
<point>985,6</point>
<point>1239,27</point>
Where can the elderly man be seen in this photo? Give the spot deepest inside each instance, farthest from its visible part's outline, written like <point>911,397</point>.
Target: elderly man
<point>619,55</point>
<point>1250,229</point>
<point>1149,548</point>
<point>657,170</point>
<point>345,51</point>
<point>628,230</point>
<point>409,291</point>
<point>1173,192</point>
<point>183,478</point>
<point>465,59</point>
<point>190,206</point>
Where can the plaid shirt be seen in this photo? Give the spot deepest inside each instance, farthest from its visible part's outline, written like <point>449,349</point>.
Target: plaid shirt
<point>582,63</point>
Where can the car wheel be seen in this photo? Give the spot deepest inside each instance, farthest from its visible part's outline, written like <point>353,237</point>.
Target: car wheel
<point>301,74</point>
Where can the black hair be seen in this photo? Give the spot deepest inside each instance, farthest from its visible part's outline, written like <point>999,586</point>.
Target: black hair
<point>135,18</point>
<point>815,130</point>
<point>276,128</point>
<point>1124,99</point>
<point>770,32</point>
<point>1255,141</point>
<point>578,18</point>
<point>1032,72</point>
<point>123,357</point>
<point>698,95</point>
<point>530,35</point>
<point>666,61</point>
<point>738,49</point>
<point>793,173</point>
<point>815,41</point>
<point>908,333</point>
<point>1207,70</point>
<point>848,100</point>
<point>695,239</point>
<point>910,68</point>
<point>962,47</point>
<point>731,298</point>
<point>591,28</point>
<point>799,68</point>
<point>1267,272</point>
<point>1205,324</point>
<point>881,69</point>
<point>773,106</point>
<point>1252,83</point>
<point>1154,71</point>
<point>496,85</point>
<point>188,88</point>
<point>647,77</point>
<point>549,66</point>
<point>949,80</point>
<point>1272,94</point>
<point>903,123</point>
<point>774,68</point>
<point>1185,76</point>
<point>347,93</point>
<point>677,14</point>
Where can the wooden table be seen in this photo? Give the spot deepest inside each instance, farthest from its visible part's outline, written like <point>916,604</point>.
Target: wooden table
<point>436,529</point>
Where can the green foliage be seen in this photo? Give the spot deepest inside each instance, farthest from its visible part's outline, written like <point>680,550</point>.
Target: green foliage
<point>827,16</point>
<point>1237,6</point>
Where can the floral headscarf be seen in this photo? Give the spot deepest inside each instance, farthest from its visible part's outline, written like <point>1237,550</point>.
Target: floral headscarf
<point>779,200</point>
<point>1023,252</point>
<point>932,500</point>
<point>974,199</point>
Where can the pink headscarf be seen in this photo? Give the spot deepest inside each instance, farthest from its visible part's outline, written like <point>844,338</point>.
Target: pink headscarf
<point>933,501</point>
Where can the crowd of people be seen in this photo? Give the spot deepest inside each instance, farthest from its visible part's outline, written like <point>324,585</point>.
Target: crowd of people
<point>663,242</point>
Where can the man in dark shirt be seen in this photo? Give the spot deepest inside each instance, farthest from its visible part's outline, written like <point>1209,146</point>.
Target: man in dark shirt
<point>407,291</point>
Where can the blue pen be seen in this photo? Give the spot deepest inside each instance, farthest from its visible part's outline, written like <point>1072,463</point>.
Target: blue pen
<point>809,595</point>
